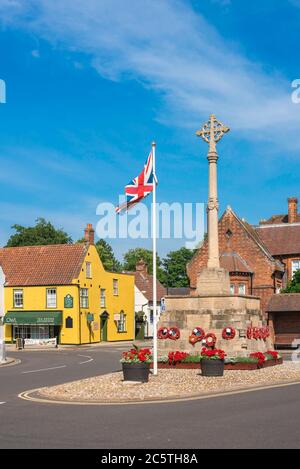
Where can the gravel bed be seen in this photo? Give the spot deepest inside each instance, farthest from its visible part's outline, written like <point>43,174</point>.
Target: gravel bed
<point>168,384</point>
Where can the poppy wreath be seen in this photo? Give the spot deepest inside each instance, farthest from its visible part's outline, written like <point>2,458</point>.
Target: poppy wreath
<point>256,334</point>
<point>197,335</point>
<point>174,333</point>
<point>228,333</point>
<point>249,333</point>
<point>210,339</point>
<point>265,332</point>
<point>163,333</point>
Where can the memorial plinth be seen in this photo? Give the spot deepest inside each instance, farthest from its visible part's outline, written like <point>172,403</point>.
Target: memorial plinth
<point>213,308</point>
<point>213,314</point>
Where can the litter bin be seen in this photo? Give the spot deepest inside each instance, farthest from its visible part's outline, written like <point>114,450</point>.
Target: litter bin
<point>19,343</point>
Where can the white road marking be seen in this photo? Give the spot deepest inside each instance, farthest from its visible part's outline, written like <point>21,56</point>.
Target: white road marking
<point>44,369</point>
<point>2,403</point>
<point>90,359</point>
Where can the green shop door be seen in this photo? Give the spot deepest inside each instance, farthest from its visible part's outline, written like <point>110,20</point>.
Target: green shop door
<point>103,326</point>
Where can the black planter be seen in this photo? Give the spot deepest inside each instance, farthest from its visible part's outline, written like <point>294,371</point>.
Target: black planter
<point>136,372</point>
<point>212,367</point>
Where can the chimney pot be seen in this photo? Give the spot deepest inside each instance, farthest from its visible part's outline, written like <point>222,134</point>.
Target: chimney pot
<point>141,266</point>
<point>89,234</point>
<point>292,209</point>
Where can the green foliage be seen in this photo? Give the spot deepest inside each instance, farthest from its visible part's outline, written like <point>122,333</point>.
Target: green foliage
<point>294,285</point>
<point>192,359</point>
<point>42,233</point>
<point>236,360</point>
<point>108,259</point>
<point>175,267</point>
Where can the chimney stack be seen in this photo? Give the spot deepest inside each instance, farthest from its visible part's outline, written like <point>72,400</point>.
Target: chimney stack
<point>89,234</point>
<point>141,266</point>
<point>293,209</point>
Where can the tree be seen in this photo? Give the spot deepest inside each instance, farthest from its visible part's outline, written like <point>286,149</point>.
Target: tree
<point>132,256</point>
<point>41,233</point>
<point>294,285</point>
<point>175,267</point>
<point>107,256</point>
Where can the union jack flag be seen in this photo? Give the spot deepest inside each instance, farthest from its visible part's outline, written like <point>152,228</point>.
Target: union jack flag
<point>139,187</point>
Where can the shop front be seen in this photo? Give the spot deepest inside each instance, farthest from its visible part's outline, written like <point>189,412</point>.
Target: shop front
<point>34,326</point>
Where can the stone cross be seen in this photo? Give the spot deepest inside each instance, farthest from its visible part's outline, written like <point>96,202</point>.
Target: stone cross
<point>212,132</point>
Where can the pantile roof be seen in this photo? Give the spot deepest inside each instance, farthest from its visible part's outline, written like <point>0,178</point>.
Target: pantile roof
<point>280,239</point>
<point>144,282</point>
<point>56,264</point>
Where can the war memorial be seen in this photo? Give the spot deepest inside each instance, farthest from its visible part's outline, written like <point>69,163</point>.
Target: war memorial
<point>212,315</point>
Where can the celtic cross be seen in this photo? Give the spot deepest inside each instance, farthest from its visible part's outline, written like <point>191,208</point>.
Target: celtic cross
<point>212,132</point>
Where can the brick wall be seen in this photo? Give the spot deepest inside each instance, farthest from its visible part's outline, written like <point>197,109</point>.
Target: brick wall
<point>233,237</point>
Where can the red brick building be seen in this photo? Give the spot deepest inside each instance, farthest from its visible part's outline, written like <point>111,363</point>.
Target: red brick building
<point>261,260</point>
<point>253,270</point>
<point>281,235</point>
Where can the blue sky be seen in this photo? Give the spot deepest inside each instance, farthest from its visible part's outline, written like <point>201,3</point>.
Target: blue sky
<point>91,83</point>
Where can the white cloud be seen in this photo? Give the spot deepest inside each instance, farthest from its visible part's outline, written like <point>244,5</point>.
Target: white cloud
<point>173,50</point>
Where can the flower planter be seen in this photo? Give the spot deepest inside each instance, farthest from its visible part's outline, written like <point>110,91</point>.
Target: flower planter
<point>268,363</point>
<point>177,366</point>
<point>239,366</point>
<point>212,367</point>
<point>136,372</point>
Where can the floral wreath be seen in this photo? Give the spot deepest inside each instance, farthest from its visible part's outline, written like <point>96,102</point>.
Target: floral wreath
<point>258,333</point>
<point>163,333</point>
<point>210,339</point>
<point>197,335</point>
<point>228,333</point>
<point>174,333</point>
<point>265,332</point>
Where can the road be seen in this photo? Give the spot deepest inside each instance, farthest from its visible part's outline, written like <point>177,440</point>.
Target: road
<point>260,419</point>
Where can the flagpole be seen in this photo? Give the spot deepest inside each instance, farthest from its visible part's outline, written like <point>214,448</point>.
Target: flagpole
<point>154,264</point>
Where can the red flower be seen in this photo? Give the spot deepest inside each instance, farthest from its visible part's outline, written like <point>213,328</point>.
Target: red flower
<point>273,354</point>
<point>146,351</point>
<point>260,357</point>
<point>136,355</point>
<point>142,357</point>
<point>176,357</point>
<point>213,353</point>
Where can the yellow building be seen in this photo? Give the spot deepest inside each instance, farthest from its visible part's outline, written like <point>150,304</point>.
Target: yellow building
<point>62,291</point>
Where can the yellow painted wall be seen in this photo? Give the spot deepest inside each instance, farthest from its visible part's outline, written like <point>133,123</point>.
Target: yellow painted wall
<point>34,299</point>
<point>114,304</point>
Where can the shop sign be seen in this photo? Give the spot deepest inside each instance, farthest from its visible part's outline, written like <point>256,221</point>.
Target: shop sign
<point>44,342</point>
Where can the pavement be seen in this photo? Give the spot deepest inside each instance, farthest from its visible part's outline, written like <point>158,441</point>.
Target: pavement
<point>260,419</point>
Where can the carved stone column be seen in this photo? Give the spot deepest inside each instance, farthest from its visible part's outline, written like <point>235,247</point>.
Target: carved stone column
<point>213,279</point>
